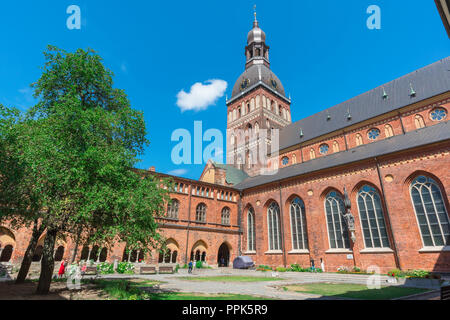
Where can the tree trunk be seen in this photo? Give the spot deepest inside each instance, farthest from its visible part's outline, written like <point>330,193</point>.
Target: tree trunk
<point>29,253</point>
<point>47,263</point>
<point>75,250</point>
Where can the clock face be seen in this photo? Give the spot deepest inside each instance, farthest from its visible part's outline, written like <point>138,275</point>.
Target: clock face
<point>244,84</point>
<point>273,83</point>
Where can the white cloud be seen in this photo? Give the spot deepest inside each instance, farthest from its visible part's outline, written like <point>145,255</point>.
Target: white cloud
<point>178,172</point>
<point>201,95</point>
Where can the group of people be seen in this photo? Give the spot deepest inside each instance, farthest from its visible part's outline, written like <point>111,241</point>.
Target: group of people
<point>63,266</point>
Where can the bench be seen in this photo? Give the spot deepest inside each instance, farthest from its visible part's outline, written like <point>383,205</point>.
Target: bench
<point>445,293</point>
<point>166,269</point>
<point>91,271</point>
<point>147,270</point>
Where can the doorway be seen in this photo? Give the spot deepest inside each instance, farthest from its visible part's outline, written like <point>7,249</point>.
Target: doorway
<point>223,257</point>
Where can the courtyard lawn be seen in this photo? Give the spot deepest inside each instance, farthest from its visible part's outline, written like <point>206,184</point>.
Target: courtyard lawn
<point>230,279</point>
<point>144,290</point>
<point>354,291</point>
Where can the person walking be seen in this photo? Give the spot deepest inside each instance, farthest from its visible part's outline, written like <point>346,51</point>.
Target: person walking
<point>62,269</point>
<point>191,265</point>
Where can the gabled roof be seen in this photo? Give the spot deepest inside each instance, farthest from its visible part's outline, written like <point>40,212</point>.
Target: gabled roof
<point>427,82</point>
<point>436,133</point>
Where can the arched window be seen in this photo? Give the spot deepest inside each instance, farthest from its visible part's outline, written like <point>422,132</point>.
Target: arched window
<point>6,253</point>
<point>431,213</point>
<point>59,253</point>
<point>200,214</point>
<point>174,256</point>
<point>312,154</point>
<point>172,209</point>
<point>273,223</point>
<point>372,218</point>
<point>298,225</point>
<point>359,140</point>
<point>337,229</point>
<point>388,131</point>
<point>418,120</point>
<point>226,216</point>
<point>251,235</point>
<point>294,159</point>
<point>335,146</point>
<point>167,256</point>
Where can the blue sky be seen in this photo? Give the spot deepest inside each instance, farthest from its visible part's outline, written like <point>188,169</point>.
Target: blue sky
<point>324,54</point>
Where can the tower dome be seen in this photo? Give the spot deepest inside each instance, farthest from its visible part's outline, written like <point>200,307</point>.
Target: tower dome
<point>256,34</point>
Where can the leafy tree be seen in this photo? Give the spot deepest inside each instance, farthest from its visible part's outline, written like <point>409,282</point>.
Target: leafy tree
<point>79,145</point>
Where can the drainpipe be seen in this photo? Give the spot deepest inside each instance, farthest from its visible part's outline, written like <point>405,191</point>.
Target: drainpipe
<point>401,122</point>
<point>189,223</point>
<point>240,223</point>
<point>282,228</point>
<point>397,260</point>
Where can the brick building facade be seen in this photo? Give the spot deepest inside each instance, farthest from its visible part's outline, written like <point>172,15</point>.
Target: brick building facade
<point>364,183</point>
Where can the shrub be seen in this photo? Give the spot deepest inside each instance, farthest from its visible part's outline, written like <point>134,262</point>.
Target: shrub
<point>417,274</point>
<point>125,267</point>
<point>356,269</point>
<point>281,269</point>
<point>199,264</point>
<point>105,268</point>
<point>263,268</point>
<point>395,273</point>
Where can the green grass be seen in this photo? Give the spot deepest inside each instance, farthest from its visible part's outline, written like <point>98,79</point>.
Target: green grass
<point>231,279</point>
<point>354,291</point>
<point>194,296</point>
<point>135,290</point>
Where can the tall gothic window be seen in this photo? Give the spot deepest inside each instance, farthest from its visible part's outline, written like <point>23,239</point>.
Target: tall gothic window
<point>335,146</point>
<point>430,211</point>
<point>312,154</point>
<point>359,140</point>
<point>337,229</point>
<point>372,218</point>
<point>251,234</point>
<point>200,214</point>
<point>226,216</point>
<point>298,225</point>
<point>172,209</point>
<point>273,222</point>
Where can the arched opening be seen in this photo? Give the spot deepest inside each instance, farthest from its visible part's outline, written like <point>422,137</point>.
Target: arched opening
<point>204,256</point>
<point>174,256</point>
<point>94,254</point>
<point>84,253</point>
<point>103,255</point>
<point>59,254</point>
<point>223,257</point>
<point>197,255</point>
<point>6,253</point>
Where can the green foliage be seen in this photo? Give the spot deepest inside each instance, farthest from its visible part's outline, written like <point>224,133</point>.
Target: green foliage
<point>105,268</point>
<point>125,268</point>
<point>177,268</point>
<point>281,269</point>
<point>418,274</point>
<point>396,273</point>
<point>263,268</point>
<point>199,264</point>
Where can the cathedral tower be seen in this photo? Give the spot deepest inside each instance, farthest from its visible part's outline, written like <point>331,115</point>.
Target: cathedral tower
<point>258,102</point>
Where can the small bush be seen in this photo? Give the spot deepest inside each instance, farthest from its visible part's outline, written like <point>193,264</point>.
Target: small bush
<point>395,273</point>
<point>263,268</point>
<point>281,269</point>
<point>125,268</point>
<point>199,264</point>
<point>417,274</point>
<point>105,268</point>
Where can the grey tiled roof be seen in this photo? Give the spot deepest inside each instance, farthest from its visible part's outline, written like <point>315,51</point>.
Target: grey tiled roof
<point>427,82</point>
<point>436,133</point>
